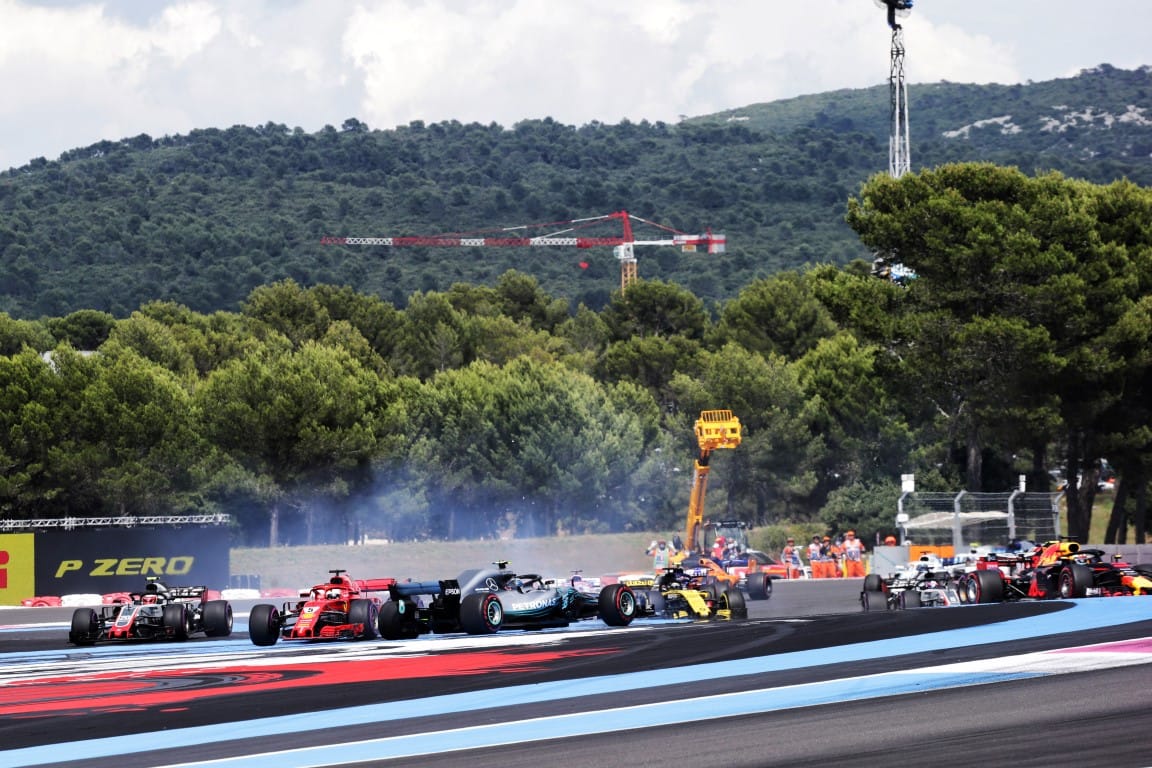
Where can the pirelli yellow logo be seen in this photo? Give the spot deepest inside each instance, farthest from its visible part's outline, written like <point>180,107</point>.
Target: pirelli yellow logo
<point>128,566</point>
<point>17,567</point>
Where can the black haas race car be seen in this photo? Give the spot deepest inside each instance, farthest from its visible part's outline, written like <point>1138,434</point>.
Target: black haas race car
<point>1056,570</point>
<point>157,613</point>
<point>341,608</point>
<point>485,600</point>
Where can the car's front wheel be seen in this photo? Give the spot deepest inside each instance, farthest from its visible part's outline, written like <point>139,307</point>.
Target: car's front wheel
<point>1074,581</point>
<point>85,627</point>
<point>363,613</point>
<point>617,605</point>
<point>732,599</point>
<point>264,624</point>
<point>873,600</point>
<point>175,618</point>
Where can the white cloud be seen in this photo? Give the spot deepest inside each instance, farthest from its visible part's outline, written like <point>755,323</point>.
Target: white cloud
<point>79,71</point>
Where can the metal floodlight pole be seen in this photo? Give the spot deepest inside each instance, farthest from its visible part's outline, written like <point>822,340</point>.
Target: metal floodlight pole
<point>899,148</point>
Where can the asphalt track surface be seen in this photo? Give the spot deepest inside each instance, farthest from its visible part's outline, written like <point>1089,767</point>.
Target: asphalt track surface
<point>807,680</point>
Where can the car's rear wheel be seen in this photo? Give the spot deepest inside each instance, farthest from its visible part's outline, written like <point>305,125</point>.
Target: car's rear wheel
<point>217,618</point>
<point>264,624</point>
<point>759,586</point>
<point>873,600</point>
<point>617,605</point>
<point>364,612</point>
<point>1074,581</point>
<point>733,600</point>
<point>910,598</point>
<point>873,582</point>
<point>481,614</point>
<point>85,627</point>
<point>395,621</point>
<point>176,619</point>
<point>985,587</point>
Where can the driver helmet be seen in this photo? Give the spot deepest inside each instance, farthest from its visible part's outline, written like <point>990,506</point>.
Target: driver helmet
<point>514,583</point>
<point>333,594</point>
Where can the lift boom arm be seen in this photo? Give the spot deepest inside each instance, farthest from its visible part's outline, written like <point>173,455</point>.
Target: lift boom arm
<point>714,429</point>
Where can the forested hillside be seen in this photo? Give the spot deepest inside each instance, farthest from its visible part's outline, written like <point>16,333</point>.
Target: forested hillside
<point>202,219</point>
<point>233,363</point>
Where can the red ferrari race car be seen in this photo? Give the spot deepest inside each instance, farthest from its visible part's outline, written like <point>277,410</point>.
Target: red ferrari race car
<point>339,609</point>
<point>157,613</point>
<point>1056,570</point>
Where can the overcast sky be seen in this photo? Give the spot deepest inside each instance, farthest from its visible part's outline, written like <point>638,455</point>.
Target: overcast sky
<point>77,72</point>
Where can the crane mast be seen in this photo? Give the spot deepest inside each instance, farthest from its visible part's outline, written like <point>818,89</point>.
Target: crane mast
<point>623,244</point>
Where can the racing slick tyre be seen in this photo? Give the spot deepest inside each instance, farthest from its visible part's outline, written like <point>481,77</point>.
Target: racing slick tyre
<point>733,600</point>
<point>395,622</point>
<point>617,605</point>
<point>962,589</point>
<point>176,619</point>
<point>481,614</point>
<point>910,598</point>
<point>874,600</point>
<point>985,587</point>
<point>873,582</point>
<point>264,624</point>
<point>217,618</point>
<point>364,612</point>
<point>85,627</point>
<point>1074,581</point>
<point>759,586</point>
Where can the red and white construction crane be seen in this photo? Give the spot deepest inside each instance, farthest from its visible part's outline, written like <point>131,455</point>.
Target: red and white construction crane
<point>623,244</point>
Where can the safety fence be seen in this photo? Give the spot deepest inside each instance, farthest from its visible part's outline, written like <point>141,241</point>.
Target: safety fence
<point>966,518</point>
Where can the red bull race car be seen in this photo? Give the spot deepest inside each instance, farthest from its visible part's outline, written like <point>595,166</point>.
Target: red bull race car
<point>1055,570</point>
<point>157,613</point>
<point>341,608</point>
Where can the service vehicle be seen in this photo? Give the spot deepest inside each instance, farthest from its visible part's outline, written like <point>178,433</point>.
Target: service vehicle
<point>690,592</point>
<point>924,583</point>
<point>341,608</point>
<point>1055,570</point>
<point>482,601</point>
<point>158,613</point>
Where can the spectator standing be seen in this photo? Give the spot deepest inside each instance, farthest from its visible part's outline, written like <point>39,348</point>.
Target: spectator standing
<point>853,555</point>
<point>816,558</point>
<point>834,554</point>
<point>790,556</point>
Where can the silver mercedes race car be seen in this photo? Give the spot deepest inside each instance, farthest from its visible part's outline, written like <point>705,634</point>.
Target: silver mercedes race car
<point>485,600</point>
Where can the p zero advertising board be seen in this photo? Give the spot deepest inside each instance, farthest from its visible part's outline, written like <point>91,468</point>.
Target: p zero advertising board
<point>88,561</point>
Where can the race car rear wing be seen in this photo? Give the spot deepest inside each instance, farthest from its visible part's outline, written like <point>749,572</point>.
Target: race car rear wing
<point>374,585</point>
<point>413,588</point>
